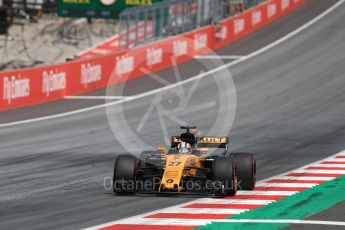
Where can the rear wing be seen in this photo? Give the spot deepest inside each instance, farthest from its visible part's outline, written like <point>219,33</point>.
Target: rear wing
<point>204,142</point>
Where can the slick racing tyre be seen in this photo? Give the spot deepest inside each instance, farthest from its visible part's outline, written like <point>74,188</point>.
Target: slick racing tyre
<point>224,173</point>
<point>246,170</point>
<point>125,171</point>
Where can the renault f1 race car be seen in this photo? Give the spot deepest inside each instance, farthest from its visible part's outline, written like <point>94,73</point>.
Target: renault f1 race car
<point>192,165</point>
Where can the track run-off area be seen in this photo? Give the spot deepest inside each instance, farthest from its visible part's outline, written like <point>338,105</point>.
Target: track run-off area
<point>289,79</point>
<point>275,203</point>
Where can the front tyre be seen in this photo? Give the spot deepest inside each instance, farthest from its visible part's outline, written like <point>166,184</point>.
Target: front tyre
<point>125,171</point>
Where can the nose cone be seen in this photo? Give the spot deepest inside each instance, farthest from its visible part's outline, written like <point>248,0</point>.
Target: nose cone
<point>173,173</point>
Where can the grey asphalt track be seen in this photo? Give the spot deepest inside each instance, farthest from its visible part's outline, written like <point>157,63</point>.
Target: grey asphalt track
<point>290,112</point>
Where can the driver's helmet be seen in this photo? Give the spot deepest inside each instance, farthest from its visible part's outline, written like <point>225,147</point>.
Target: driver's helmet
<point>184,148</point>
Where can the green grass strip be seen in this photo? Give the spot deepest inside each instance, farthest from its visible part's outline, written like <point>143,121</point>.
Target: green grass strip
<point>295,207</point>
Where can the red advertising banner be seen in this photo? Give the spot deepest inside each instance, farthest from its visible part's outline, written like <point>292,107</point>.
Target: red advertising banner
<point>28,87</point>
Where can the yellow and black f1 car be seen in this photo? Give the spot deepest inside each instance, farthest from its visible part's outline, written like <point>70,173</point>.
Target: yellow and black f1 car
<point>192,165</point>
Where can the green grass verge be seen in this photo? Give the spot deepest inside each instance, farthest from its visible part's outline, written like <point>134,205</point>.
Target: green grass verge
<point>298,206</point>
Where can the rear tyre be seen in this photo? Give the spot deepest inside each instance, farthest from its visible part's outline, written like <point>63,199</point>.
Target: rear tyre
<point>124,177</point>
<point>246,170</point>
<point>224,174</point>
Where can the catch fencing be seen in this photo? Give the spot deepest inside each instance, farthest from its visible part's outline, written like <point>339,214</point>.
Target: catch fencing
<point>174,17</point>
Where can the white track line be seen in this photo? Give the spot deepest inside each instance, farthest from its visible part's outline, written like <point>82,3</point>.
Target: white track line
<point>202,75</point>
<point>331,165</point>
<point>268,221</point>
<point>320,171</point>
<point>274,221</point>
<point>267,193</point>
<point>286,185</point>
<point>299,178</point>
<point>230,211</point>
<point>98,97</point>
<point>234,201</point>
<point>336,160</point>
<point>172,221</point>
<point>224,57</point>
